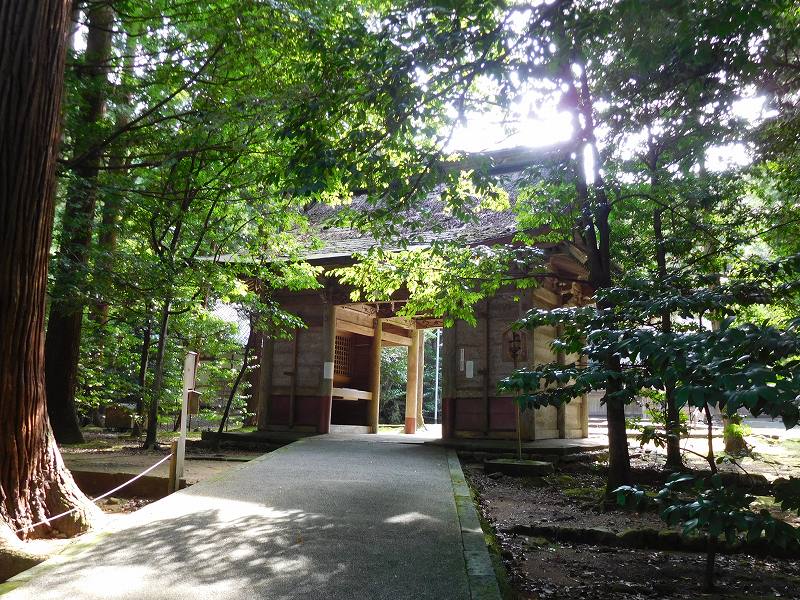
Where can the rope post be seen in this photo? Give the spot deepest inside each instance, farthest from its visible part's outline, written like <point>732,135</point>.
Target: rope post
<point>179,447</point>
<point>172,485</point>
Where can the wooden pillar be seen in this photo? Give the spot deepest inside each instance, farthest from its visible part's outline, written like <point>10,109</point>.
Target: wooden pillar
<point>449,370</point>
<point>265,383</point>
<point>584,405</point>
<point>375,376</point>
<point>328,354</point>
<point>412,383</point>
<point>561,359</point>
<point>421,380</point>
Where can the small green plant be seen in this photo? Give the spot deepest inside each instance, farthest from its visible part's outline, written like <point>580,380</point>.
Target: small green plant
<point>706,506</point>
<point>734,433</point>
<point>739,429</point>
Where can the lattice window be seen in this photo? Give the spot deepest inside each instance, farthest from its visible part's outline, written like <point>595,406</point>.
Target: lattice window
<point>343,350</point>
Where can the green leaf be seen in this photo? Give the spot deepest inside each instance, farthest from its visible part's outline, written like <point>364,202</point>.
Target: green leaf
<point>690,525</point>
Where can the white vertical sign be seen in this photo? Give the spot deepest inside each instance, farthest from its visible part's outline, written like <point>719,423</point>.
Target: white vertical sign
<point>327,370</point>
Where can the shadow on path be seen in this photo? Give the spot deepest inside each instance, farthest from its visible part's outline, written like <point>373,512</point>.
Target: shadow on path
<point>318,519</point>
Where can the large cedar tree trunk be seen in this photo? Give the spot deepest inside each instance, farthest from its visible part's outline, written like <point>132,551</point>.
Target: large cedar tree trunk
<point>62,345</point>
<point>34,484</point>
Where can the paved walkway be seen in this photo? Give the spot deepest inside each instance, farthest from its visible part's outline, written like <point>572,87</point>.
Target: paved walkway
<point>326,517</point>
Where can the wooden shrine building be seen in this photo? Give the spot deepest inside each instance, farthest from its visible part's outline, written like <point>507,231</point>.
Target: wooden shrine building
<point>327,376</point>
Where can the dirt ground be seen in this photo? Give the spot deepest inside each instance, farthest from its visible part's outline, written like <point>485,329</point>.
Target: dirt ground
<point>117,452</point>
<point>538,567</point>
<point>771,455</point>
<point>774,450</point>
<point>112,452</point>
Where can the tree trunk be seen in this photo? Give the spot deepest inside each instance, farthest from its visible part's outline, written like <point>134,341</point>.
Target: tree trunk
<point>735,443</point>
<point>113,200</point>
<point>710,458</point>
<point>107,244</point>
<point>598,237</point>
<point>672,421</point>
<point>34,484</point>
<point>594,227</point>
<point>619,464</point>
<point>62,345</point>
<point>144,360</point>
<point>234,387</point>
<point>158,381</point>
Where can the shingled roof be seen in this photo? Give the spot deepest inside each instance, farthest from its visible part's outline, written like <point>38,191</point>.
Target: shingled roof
<point>429,220</point>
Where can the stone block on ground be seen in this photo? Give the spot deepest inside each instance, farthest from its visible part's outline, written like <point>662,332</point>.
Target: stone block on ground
<point>517,467</point>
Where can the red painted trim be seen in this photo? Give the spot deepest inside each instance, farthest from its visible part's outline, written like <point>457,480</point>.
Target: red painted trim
<point>411,425</point>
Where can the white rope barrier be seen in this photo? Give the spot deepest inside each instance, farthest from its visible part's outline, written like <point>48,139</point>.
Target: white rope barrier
<point>108,493</point>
